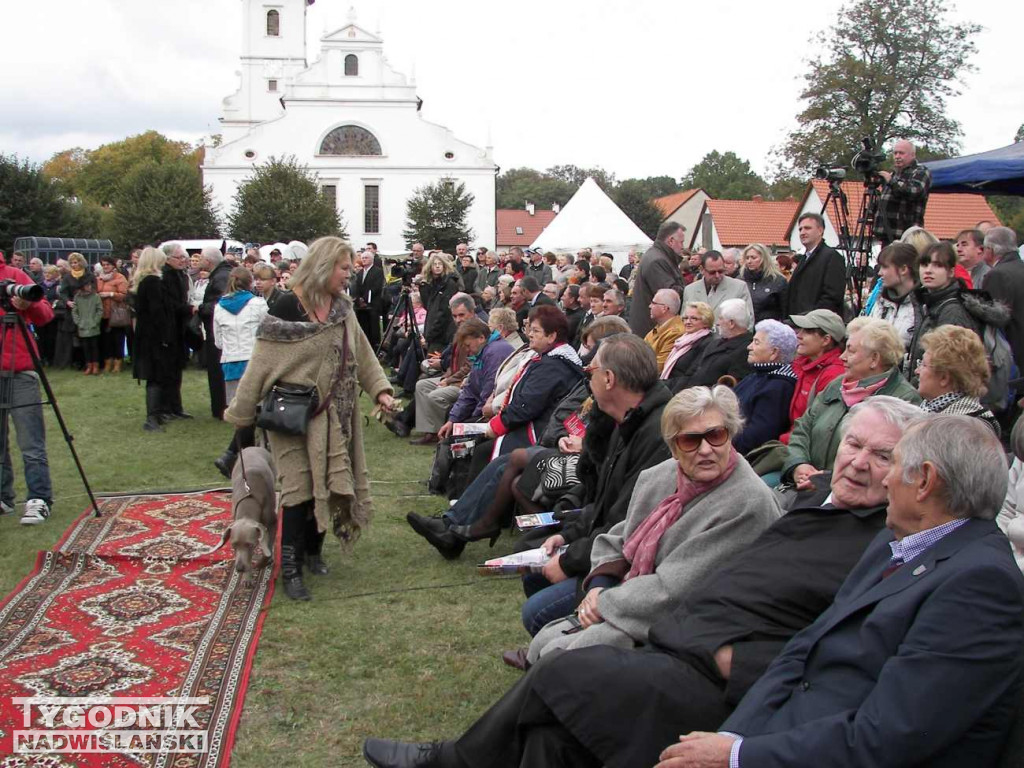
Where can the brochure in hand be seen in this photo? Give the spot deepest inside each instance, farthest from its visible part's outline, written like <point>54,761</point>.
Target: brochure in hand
<point>541,520</point>
<point>531,561</point>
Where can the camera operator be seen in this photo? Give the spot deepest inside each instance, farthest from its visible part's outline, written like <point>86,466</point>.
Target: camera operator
<point>19,388</point>
<point>904,194</point>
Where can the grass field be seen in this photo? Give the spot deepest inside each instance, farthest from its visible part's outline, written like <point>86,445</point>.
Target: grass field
<point>396,642</point>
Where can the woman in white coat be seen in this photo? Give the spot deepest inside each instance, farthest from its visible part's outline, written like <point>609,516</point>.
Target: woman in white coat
<point>236,317</point>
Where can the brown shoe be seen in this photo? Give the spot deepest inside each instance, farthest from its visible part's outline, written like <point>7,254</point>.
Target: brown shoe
<point>516,659</point>
<point>117,366</point>
<point>427,439</point>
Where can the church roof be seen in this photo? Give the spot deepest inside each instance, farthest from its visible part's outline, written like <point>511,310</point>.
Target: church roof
<point>517,226</point>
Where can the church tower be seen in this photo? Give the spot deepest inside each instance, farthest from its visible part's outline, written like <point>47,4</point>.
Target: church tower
<point>273,52</point>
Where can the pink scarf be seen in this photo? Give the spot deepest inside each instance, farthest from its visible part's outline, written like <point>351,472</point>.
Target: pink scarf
<point>683,345</point>
<point>642,545</point>
<point>852,393</point>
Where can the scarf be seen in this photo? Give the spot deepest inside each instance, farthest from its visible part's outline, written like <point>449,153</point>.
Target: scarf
<point>642,545</point>
<point>683,345</point>
<point>854,392</point>
<point>77,273</point>
<point>942,402</point>
<point>106,277</point>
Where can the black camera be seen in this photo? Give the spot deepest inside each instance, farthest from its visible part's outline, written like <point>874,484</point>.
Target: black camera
<point>829,174</point>
<point>26,292</point>
<point>404,269</point>
<point>867,161</point>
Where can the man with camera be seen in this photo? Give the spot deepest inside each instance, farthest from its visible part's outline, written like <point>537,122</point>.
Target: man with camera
<point>904,194</point>
<point>19,390</point>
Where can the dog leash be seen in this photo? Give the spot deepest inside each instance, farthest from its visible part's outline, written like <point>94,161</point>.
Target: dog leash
<point>241,462</point>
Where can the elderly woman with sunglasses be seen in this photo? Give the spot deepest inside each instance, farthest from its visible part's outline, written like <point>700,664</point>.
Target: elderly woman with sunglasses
<point>687,516</point>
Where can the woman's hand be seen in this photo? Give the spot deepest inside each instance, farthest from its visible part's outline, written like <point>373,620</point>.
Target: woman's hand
<point>588,611</point>
<point>802,476</point>
<point>386,402</point>
<point>570,444</point>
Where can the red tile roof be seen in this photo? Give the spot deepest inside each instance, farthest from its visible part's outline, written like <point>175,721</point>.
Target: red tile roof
<point>506,221</point>
<point>947,213</point>
<point>671,203</point>
<point>741,222</point>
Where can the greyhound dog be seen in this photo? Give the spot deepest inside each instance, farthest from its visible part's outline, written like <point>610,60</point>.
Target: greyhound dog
<point>254,504</point>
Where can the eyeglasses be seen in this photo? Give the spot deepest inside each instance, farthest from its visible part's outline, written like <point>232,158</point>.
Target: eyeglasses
<point>690,441</point>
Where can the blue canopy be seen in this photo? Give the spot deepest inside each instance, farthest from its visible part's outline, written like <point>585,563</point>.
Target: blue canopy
<point>998,172</point>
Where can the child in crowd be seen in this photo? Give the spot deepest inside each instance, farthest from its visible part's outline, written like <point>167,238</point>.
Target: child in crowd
<point>87,313</point>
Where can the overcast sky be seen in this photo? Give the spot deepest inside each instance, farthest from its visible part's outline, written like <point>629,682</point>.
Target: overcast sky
<point>638,87</point>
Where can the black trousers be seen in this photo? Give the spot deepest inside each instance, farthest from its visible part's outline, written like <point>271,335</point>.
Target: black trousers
<point>170,390</point>
<point>214,375</point>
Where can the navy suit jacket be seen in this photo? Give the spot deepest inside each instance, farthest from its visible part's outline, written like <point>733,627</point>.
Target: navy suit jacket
<point>921,668</point>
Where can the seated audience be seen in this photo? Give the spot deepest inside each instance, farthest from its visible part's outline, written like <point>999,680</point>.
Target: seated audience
<point>613,303</point>
<point>873,351</point>
<point>574,311</point>
<point>952,374</point>
<point>704,656</point>
<point>698,322</point>
<point>766,394</point>
<point>896,303</point>
<point>668,325</point>
<point>819,347</point>
<point>726,353</point>
<point>765,282</point>
<point>485,350</point>
<point>687,516</point>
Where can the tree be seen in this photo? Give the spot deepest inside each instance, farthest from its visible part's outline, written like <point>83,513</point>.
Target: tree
<point>518,186</point>
<point>658,186</point>
<point>162,201</point>
<point>30,204</point>
<point>100,176</point>
<point>64,167</point>
<point>634,198</point>
<point>886,73</point>
<point>725,176</point>
<point>437,215</point>
<point>281,202</point>
<point>1019,136</point>
<point>575,176</point>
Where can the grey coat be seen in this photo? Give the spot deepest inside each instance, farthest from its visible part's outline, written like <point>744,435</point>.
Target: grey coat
<point>712,529</point>
<point>729,288</point>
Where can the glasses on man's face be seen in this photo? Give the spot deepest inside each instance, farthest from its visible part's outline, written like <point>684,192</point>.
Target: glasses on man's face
<point>689,442</point>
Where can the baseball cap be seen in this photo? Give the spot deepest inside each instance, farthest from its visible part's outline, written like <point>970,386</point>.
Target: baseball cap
<point>824,320</point>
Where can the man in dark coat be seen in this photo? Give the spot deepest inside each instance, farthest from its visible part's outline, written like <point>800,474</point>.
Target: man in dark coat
<point>703,658</point>
<point>726,353</point>
<point>535,297</point>
<point>175,285</point>
<point>368,296</point>
<point>1005,283</point>
<point>819,280</point>
<point>659,268</point>
<point>574,312</point>
<point>219,269</point>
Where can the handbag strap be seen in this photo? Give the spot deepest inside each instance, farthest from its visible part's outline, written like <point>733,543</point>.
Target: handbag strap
<point>337,379</point>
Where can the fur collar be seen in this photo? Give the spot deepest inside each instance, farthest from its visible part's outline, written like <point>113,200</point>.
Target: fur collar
<point>275,329</point>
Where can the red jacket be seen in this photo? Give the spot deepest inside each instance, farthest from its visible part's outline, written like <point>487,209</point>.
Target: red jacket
<point>38,313</point>
<point>812,375</point>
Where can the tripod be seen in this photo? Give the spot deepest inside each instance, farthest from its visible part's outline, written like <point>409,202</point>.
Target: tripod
<point>12,323</point>
<point>856,246</point>
<point>405,317</point>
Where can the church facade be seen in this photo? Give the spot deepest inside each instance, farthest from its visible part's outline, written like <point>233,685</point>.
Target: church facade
<point>349,117</point>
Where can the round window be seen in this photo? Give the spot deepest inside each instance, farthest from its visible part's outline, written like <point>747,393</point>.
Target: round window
<point>449,155</point>
<point>250,153</point>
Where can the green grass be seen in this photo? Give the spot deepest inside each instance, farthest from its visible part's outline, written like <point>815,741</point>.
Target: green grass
<point>364,658</point>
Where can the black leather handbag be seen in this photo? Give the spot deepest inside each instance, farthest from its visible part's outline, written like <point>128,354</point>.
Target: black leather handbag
<point>288,409</point>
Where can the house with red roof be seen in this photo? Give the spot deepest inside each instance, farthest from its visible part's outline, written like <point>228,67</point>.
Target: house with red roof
<point>946,214</point>
<point>683,207</point>
<point>521,226</point>
<point>738,223</point>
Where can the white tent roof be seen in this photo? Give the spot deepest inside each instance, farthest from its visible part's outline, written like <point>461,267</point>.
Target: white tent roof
<point>591,220</point>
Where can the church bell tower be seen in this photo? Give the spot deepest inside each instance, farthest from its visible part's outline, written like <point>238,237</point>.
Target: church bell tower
<point>273,52</point>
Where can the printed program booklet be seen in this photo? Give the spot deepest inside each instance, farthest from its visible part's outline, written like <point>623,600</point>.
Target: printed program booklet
<point>541,520</point>
<point>531,561</point>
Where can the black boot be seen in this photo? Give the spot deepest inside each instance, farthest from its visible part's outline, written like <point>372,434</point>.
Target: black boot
<point>291,574</point>
<point>314,546</point>
<point>226,462</point>
<point>438,534</point>
<point>153,395</point>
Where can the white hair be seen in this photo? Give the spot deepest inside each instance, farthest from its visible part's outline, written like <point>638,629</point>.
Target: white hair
<point>735,310</point>
<point>669,298</point>
<point>1001,240</point>
<point>170,249</point>
<point>212,255</point>
<point>780,337</point>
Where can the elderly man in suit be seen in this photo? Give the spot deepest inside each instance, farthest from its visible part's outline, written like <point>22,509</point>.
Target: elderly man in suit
<point>706,655</point>
<point>819,280</point>
<point>918,660</point>
<point>716,286</point>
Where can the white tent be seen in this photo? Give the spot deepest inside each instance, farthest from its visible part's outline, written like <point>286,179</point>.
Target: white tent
<point>591,220</point>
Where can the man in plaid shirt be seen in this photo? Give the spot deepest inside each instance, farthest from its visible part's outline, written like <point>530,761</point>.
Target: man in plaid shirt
<point>904,195</point>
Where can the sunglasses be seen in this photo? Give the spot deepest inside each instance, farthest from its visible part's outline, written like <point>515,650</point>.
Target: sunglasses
<point>690,441</point>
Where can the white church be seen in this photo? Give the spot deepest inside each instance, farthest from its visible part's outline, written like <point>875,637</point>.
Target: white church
<point>349,117</point>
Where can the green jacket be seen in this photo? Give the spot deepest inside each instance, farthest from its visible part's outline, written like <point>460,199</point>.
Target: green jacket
<point>87,314</point>
<point>816,434</point>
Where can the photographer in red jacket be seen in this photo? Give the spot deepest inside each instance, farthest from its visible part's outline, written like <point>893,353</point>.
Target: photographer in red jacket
<point>19,390</point>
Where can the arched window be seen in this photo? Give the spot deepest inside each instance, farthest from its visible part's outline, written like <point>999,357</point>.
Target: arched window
<point>350,140</point>
<point>273,24</point>
<point>351,65</point>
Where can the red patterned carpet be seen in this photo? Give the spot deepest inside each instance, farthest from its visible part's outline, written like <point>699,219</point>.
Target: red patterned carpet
<point>125,608</point>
